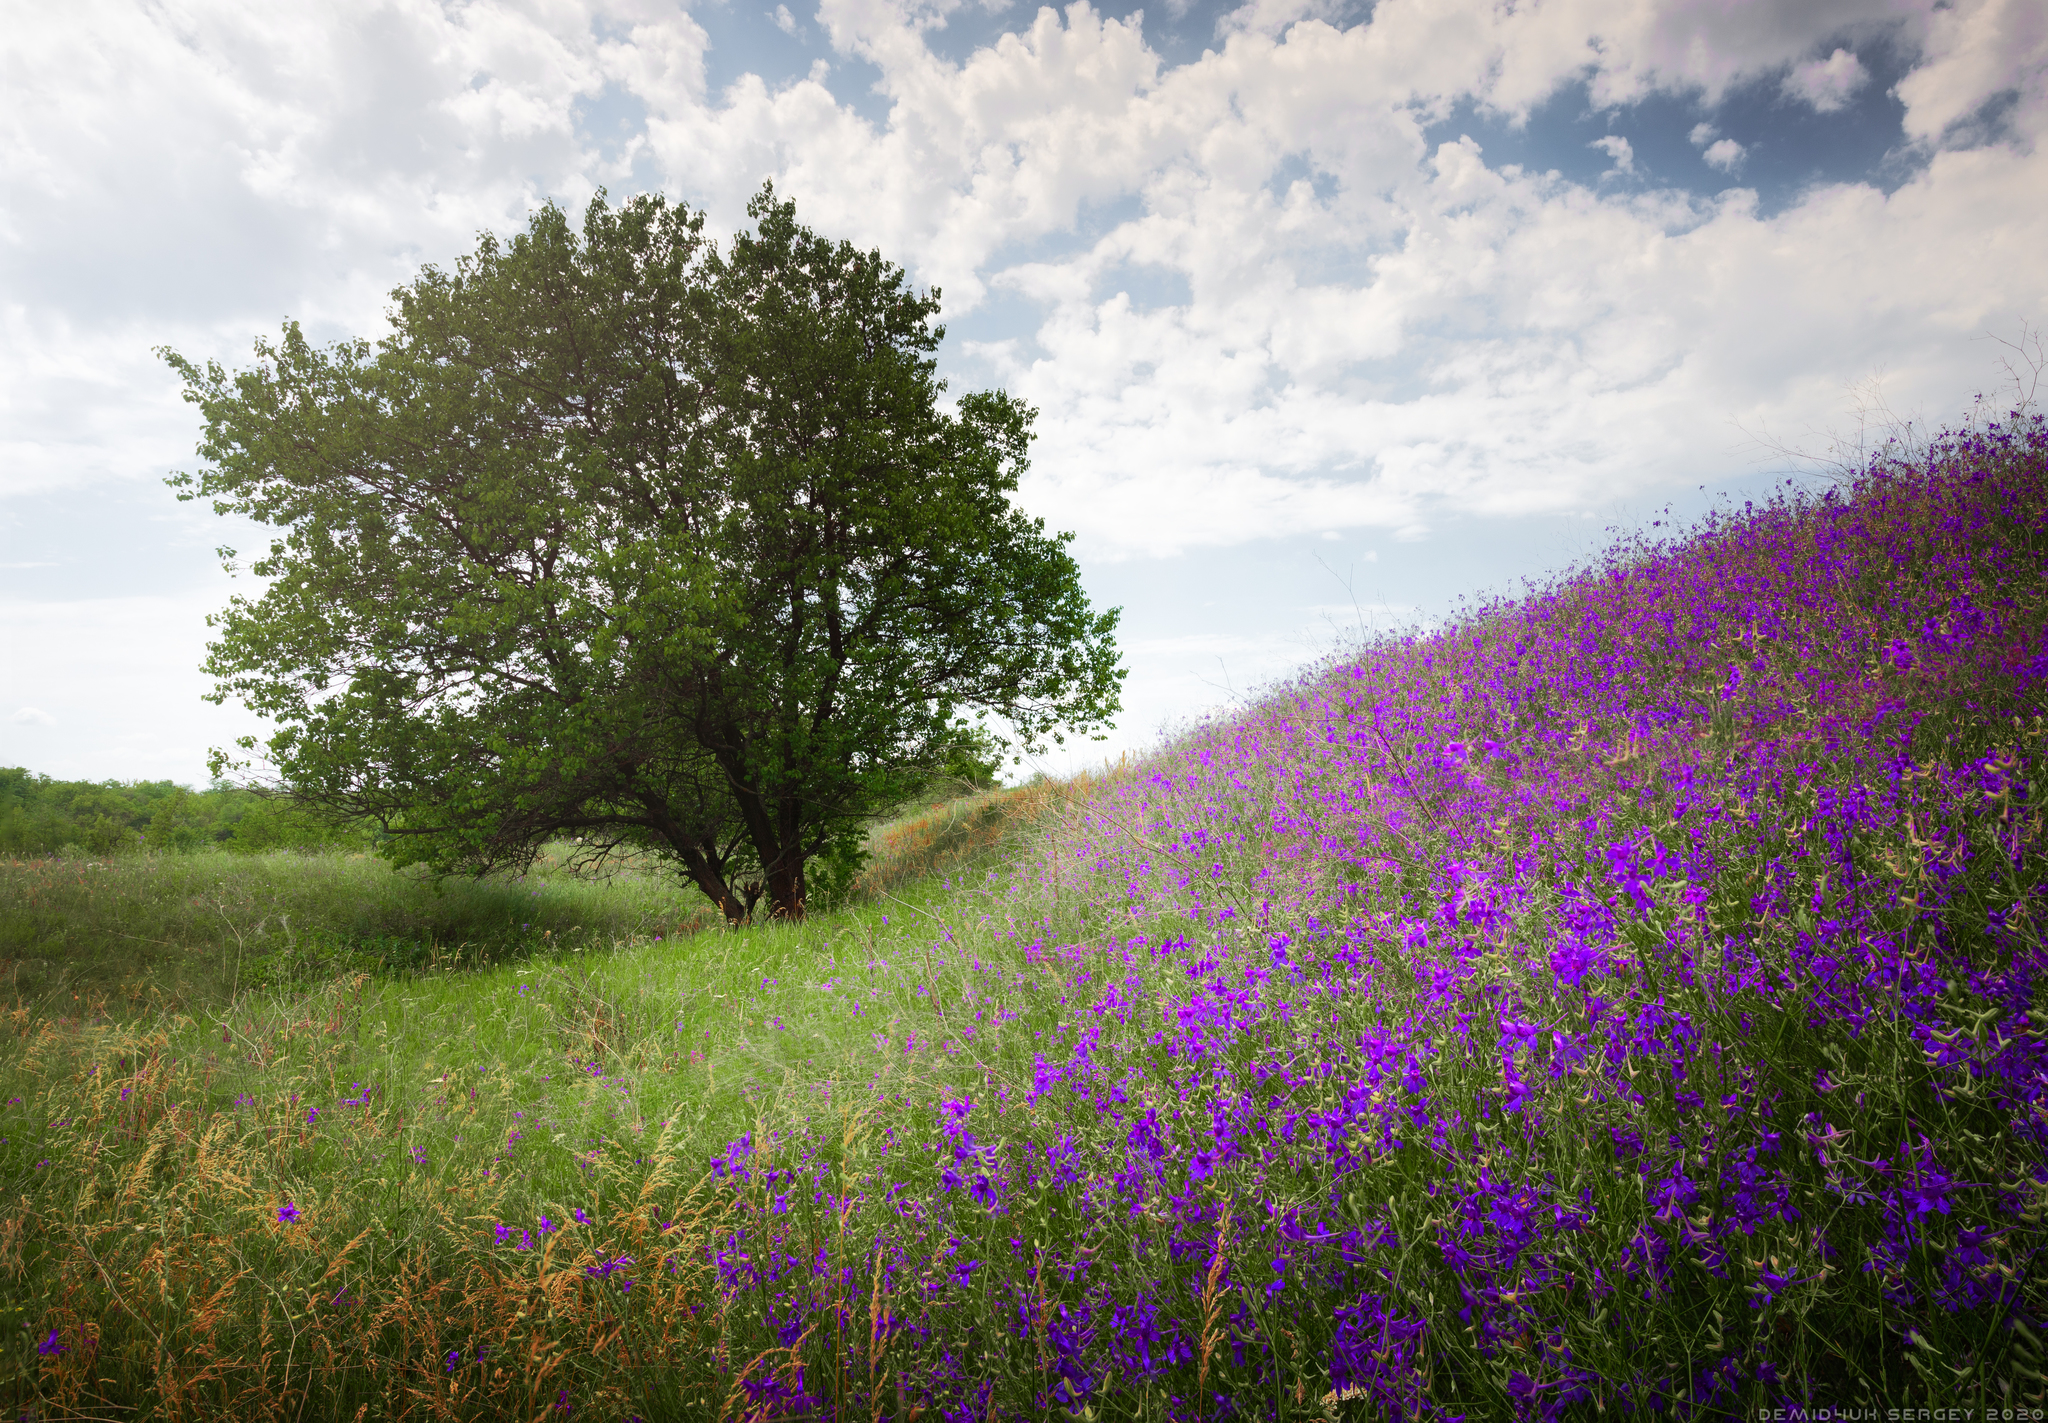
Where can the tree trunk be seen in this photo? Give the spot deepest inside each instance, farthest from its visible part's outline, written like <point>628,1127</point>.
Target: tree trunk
<point>786,888</point>
<point>704,868</point>
<point>782,866</point>
<point>714,886</point>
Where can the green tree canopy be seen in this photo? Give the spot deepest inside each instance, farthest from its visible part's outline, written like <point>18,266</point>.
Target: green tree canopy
<point>621,536</point>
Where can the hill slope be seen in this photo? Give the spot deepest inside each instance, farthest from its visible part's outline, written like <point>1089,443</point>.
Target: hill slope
<point>1628,999</point>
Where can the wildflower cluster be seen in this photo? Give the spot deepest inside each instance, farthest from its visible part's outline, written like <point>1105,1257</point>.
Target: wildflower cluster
<point>1628,996</point>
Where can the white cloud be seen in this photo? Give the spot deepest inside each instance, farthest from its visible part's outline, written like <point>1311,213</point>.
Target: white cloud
<point>1619,152</point>
<point>1515,57</point>
<point>193,174</point>
<point>32,716</point>
<point>1974,52</point>
<point>784,21</point>
<point>1619,332</point>
<point>1725,154</point>
<point>1394,330</point>
<point>1827,84</point>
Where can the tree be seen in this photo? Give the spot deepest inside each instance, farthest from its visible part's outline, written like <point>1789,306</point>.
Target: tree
<point>623,537</point>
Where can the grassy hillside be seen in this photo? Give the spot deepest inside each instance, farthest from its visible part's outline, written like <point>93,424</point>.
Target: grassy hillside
<point>1628,1000</point>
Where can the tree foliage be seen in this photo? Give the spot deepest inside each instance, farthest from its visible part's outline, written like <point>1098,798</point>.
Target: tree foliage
<point>40,816</point>
<point>621,536</point>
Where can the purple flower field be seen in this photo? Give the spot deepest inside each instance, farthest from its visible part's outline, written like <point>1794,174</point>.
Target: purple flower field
<point>1629,999</point>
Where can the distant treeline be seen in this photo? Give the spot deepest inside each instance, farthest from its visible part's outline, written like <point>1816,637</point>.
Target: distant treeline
<point>39,816</point>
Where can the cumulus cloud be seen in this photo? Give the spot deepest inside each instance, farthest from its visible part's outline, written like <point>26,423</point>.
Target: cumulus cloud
<point>1827,84</point>
<point>1620,152</point>
<point>1725,154</point>
<point>192,174</point>
<point>1975,54</point>
<point>1359,327</point>
<point>1516,57</point>
<point>784,21</point>
<point>32,716</point>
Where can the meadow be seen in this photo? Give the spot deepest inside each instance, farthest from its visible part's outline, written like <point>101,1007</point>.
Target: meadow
<point>1627,999</point>
<point>105,939</point>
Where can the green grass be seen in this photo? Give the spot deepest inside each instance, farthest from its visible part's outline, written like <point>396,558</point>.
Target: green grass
<point>110,937</point>
<point>113,937</point>
<point>405,1113</point>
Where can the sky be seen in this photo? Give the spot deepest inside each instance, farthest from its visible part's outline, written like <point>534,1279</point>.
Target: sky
<point>1333,313</point>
